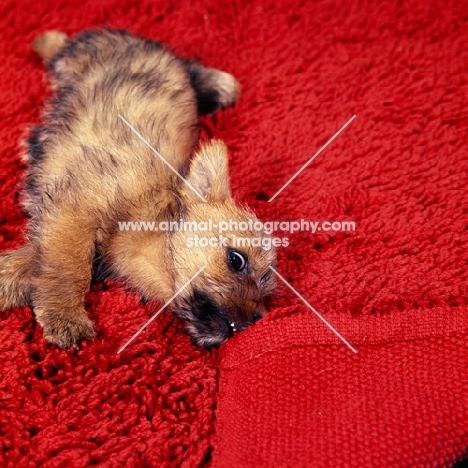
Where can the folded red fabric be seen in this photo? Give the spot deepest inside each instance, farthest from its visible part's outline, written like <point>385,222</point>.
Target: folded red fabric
<point>293,395</point>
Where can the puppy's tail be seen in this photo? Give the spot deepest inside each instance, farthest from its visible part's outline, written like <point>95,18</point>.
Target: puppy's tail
<point>214,89</point>
<point>16,272</point>
<point>49,44</point>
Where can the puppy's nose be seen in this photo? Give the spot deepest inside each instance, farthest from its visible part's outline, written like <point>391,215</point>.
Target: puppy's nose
<point>256,317</point>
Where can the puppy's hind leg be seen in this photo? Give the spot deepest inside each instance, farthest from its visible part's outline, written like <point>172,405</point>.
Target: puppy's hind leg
<point>16,272</point>
<point>49,44</point>
<point>215,89</point>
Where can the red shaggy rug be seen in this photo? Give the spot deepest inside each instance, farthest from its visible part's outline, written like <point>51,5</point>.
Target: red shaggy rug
<point>287,392</point>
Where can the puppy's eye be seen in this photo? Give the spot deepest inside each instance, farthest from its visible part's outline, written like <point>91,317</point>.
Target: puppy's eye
<point>236,260</point>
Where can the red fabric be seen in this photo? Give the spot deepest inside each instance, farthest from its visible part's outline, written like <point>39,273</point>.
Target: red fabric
<point>290,393</point>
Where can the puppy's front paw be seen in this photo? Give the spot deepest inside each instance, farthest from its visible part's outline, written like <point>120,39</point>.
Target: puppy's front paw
<point>66,329</point>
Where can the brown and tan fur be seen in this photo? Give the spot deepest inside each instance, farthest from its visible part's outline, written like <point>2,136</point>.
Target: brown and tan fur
<point>88,171</point>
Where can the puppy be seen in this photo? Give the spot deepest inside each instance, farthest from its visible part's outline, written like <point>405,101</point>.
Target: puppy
<point>89,170</point>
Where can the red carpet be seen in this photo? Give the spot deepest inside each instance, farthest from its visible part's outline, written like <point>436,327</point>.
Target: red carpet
<point>287,392</point>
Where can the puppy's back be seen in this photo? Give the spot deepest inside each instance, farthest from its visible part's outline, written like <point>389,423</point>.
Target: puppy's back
<point>101,77</point>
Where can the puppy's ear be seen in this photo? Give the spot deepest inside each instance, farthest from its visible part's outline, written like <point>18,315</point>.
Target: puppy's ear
<point>209,174</point>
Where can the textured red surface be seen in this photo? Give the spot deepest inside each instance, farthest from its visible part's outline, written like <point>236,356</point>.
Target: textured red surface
<point>290,393</point>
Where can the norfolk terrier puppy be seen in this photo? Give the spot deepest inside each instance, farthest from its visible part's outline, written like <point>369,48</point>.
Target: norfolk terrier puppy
<point>90,169</point>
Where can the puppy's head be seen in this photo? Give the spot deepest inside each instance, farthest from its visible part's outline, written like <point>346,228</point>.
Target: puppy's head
<point>222,257</point>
